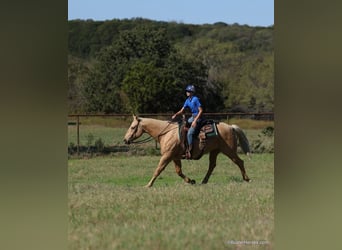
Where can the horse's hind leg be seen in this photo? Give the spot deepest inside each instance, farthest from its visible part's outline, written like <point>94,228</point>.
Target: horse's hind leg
<point>212,165</point>
<point>178,167</point>
<point>238,161</point>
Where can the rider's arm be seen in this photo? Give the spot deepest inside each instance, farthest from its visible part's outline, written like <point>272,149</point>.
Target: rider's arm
<point>200,111</point>
<point>178,113</point>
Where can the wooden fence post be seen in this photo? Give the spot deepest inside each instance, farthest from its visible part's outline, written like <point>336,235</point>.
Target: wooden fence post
<point>78,135</point>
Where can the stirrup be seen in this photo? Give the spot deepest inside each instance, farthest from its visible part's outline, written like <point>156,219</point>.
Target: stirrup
<point>188,155</point>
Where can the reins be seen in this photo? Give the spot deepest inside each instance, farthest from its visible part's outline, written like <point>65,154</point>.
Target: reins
<point>163,131</point>
<point>150,138</point>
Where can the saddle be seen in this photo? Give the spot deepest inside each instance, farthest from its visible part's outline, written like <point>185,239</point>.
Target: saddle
<point>204,130</point>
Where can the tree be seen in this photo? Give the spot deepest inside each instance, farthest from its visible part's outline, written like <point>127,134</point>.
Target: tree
<point>160,88</point>
<point>100,92</point>
<point>141,72</point>
<point>77,73</point>
<point>230,65</point>
<point>147,88</point>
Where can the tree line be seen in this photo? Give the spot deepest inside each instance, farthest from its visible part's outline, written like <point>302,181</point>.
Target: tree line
<point>140,65</point>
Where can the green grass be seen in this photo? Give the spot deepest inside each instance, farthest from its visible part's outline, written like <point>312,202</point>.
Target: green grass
<point>110,209</point>
<point>250,124</point>
<point>109,135</point>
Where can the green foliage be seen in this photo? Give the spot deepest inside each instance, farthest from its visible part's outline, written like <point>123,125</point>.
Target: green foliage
<point>71,148</point>
<point>251,86</point>
<point>101,92</point>
<point>143,84</point>
<point>77,73</point>
<point>140,72</point>
<point>143,65</point>
<point>265,141</point>
<point>90,139</point>
<point>99,145</point>
<point>118,61</point>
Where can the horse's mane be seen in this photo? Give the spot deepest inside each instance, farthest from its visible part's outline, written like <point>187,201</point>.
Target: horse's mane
<point>157,120</point>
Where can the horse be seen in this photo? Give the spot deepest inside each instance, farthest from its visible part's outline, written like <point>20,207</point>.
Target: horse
<point>171,148</point>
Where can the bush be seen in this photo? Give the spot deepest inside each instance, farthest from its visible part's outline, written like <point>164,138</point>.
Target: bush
<point>99,145</point>
<point>90,138</point>
<point>71,148</point>
<point>265,141</point>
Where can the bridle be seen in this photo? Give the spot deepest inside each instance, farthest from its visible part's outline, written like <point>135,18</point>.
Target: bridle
<point>150,138</point>
<point>135,132</point>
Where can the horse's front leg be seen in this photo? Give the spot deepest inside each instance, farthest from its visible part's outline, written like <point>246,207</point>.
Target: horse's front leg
<point>178,167</point>
<point>164,160</point>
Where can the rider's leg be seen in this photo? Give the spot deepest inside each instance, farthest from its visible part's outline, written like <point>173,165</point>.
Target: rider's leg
<point>191,132</point>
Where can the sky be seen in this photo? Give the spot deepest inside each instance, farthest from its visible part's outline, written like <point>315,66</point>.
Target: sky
<point>249,12</point>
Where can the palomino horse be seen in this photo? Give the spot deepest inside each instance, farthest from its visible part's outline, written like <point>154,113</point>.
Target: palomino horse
<point>166,133</point>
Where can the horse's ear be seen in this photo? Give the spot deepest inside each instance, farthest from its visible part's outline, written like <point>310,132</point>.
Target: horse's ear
<point>135,117</point>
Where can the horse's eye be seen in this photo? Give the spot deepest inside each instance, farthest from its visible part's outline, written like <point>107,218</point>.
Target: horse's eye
<point>133,127</point>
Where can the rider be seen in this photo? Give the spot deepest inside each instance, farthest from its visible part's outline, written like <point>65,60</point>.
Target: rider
<point>195,106</point>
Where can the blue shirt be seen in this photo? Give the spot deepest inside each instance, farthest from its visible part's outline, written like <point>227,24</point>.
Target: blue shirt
<point>193,103</point>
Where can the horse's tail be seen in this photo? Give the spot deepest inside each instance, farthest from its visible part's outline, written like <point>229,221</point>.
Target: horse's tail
<point>242,139</point>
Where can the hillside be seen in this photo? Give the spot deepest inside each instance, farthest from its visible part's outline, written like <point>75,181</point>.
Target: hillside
<point>143,65</point>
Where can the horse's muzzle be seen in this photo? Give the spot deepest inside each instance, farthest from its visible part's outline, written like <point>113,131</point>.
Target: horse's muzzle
<point>127,141</point>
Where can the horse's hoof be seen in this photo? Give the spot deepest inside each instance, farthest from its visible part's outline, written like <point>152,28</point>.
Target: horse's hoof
<point>248,180</point>
<point>192,182</point>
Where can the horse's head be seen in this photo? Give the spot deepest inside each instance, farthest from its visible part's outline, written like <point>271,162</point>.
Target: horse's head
<point>134,131</point>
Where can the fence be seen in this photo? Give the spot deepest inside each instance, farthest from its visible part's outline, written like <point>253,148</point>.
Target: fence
<point>75,118</point>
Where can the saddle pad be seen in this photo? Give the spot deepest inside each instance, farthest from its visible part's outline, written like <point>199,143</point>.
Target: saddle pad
<point>209,130</point>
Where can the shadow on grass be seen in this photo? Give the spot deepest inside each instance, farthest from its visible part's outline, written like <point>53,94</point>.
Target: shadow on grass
<point>235,179</point>
<point>104,150</point>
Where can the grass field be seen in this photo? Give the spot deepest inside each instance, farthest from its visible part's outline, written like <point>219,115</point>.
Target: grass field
<point>110,209</point>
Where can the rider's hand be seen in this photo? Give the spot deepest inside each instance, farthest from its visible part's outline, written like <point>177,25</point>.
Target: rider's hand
<point>193,124</point>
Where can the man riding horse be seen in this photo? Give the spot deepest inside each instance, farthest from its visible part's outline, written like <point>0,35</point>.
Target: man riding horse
<point>225,139</point>
<point>193,103</point>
